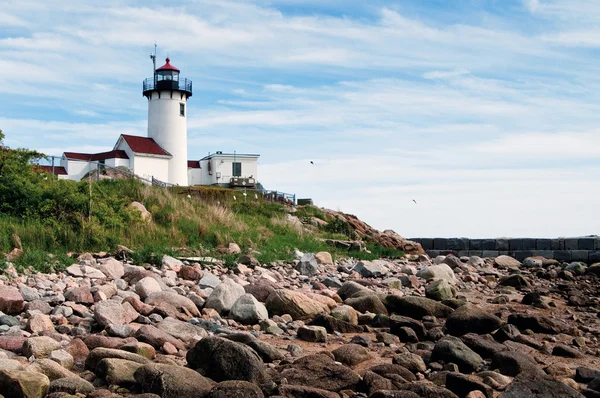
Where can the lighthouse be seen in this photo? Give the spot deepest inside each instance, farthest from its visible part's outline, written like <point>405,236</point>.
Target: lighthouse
<point>167,95</point>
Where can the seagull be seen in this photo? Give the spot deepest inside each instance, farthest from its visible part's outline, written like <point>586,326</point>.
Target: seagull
<point>414,201</point>
<point>311,162</point>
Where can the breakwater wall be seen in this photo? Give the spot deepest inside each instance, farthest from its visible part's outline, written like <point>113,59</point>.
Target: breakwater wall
<point>585,249</point>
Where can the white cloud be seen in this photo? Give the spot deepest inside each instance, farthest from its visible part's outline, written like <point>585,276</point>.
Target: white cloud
<point>532,5</point>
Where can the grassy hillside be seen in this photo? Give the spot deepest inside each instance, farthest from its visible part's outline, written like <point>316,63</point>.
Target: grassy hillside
<point>49,218</point>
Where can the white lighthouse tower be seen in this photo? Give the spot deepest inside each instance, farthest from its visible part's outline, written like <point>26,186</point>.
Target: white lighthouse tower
<point>167,95</point>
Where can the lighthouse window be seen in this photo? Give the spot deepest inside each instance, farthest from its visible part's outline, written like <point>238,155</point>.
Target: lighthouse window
<point>237,169</point>
<point>182,110</point>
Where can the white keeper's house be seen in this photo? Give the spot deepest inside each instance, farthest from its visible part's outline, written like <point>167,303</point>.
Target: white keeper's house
<point>163,155</point>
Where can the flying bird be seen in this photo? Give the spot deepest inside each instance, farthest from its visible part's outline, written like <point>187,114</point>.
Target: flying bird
<point>414,201</point>
<point>311,162</point>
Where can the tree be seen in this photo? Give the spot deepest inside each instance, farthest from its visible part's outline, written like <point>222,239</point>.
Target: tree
<point>20,188</point>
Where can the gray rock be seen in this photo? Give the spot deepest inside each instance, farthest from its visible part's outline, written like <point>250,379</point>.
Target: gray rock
<point>72,385</point>
<point>111,312</point>
<point>538,385</point>
<point>181,303</point>
<point>172,381</point>
<point>183,331</point>
<point>364,304</point>
<point>471,319</point>
<point>248,310</point>
<point>416,307</point>
<point>451,349</point>
<point>146,286</point>
<point>436,272</point>
<point>576,267</point>
<point>372,269</point>
<point>29,293</point>
<point>440,290</point>
<point>209,281</point>
<point>315,334</point>
<point>224,296</point>
<point>221,359</point>
<point>351,354</point>
<point>308,265</point>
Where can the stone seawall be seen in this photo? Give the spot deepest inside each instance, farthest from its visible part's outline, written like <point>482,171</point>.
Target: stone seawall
<point>585,249</point>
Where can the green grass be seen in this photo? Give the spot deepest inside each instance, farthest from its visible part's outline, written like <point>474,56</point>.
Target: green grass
<point>195,226</point>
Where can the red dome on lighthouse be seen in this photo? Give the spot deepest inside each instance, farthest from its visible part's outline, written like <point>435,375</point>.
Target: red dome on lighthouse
<point>168,66</point>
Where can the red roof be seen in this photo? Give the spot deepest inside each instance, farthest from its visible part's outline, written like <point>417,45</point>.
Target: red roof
<point>144,145</point>
<point>194,164</point>
<point>115,154</point>
<point>168,66</point>
<point>59,171</point>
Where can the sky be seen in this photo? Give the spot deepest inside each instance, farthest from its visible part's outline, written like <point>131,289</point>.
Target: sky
<point>484,112</point>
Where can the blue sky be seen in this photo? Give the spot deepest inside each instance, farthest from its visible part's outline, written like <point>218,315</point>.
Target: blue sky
<point>485,112</point>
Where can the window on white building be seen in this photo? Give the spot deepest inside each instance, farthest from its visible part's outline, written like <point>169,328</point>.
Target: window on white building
<point>182,110</point>
<point>237,169</point>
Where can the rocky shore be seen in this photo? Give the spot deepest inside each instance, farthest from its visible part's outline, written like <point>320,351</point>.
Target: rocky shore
<point>416,327</point>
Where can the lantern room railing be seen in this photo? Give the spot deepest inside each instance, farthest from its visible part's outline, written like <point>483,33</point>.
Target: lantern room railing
<point>152,83</point>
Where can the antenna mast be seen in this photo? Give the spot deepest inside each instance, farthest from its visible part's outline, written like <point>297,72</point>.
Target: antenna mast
<point>153,58</point>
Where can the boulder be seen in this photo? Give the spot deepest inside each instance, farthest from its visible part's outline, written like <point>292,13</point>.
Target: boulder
<point>440,290</point>
<point>538,385</point>
<point>23,384</point>
<point>314,334</point>
<point>248,310</point>
<point>11,300</point>
<point>181,303</point>
<point>224,296</point>
<point>372,269</point>
<point>416,307</point>
<point>351,354</point>
<point>345,313</point>
<point>98,354</point>
<point>84,271</point>
<point>39,347</point>
<point>38,323</point>
<point>462,385</point>
<point>72,385</point>
<point>221,359</point>
<point>296,304</point>
<point>49,368</point>
<point>146,286</point>
<point>333,325</point>
<point>308,265</point>
<point>186,332</point>
<point>352,289</point>
<point>504,262</point>
<point>397,322</point>
<point>451,349</point>
<point>157,338</point>
<point>112,268</point>
<point>235,389</point>
<point>80,295</point>
<point>291,391</point>
<point>537,323</point>
<point>512,363</point>
<point>170,263</point>
<point>320,371</point>
<point>364,304</point>
<point>436,272</point>
<point>324,258</point>
<point>412,362</point>
<point>117,371</point>
<point>471,319</point>
<point>172,381</point>
<point>515,280</point>
<point>112,312</point>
